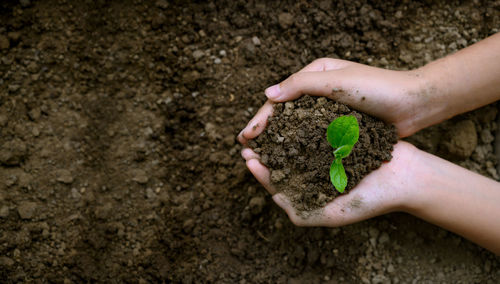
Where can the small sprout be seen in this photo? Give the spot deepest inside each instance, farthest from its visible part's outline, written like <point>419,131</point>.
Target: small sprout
<point>342,134</point>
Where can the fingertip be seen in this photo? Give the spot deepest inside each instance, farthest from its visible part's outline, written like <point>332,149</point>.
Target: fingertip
<point>249,154</point>
<point>273,92</point>
<point>290,89</point>
<point>261,173</point>
<point>240,138</point>
<point>258,123</point>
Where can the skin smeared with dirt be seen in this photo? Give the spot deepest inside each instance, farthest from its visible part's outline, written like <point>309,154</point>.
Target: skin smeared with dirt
<point>295,149</point>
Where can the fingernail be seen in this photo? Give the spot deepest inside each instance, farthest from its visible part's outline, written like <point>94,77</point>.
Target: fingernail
<point>240,137</point>
<point>273,92</point>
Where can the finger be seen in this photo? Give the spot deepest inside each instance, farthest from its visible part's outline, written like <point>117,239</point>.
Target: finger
<point>262,174</point>
<point>320,83</point>
<point>257,124</point>
<point>249,154</point>
<point>324,64</point>
<point>307,219</point>
<point>282,201</point>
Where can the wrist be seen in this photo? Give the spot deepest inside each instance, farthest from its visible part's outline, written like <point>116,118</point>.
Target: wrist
<point>399,183</point>
<point>427,95</point>
<point>431,178</point>
<point>414,179</point>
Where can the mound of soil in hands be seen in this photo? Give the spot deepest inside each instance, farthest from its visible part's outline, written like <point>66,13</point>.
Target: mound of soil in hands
<point>295,149</point>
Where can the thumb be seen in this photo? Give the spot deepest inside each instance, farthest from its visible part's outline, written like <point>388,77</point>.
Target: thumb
<point>322,83</point>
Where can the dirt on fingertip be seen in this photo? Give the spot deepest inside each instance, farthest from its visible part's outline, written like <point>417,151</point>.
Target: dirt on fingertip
<point>295,149</point>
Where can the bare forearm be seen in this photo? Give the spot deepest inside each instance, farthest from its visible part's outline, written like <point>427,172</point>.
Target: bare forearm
<point>461,82</point>
<point>458,200</point>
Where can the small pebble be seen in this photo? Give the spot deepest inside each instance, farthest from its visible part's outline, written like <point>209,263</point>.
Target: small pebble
<point>26,209</point>
<point>289,106</point>
<point>163,4</point>
<point>150,194</point>
<point>285,20</point>
<point>104,211</point>
<point>4,211</point>
<point>64,176</point>
<point>12,153</point>
<point>379,278</point>
<point>32,67</point>
<point>6,261</point>
<point>277,176</point>
<point>75,193</point>
<point>139,176</point>
<point>4,42</point>
<point>486,136</point>
<point>25,3</point>
<point>374,232</point>
<point>256,41</point>
<point>391,269</point>
<point>35,131</point>
<point>197,54</point>
<point>384,238</point>
<point>188,225</point>
<point>278,224</point>
<point>256,205</point>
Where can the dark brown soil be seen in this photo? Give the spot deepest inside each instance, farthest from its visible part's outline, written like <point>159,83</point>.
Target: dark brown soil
<point>118,160</point>
<point>295,149</point>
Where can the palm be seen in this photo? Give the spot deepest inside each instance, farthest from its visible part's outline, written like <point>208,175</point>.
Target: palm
<point>378,193</point>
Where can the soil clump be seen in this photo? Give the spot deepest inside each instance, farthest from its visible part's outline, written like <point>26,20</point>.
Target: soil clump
<point>295,149</point>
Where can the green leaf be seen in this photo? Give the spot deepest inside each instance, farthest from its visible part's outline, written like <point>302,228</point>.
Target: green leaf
<point>342,151</point>
<point>343,131</point>
<point>338,176</point>
<point>342,134</point>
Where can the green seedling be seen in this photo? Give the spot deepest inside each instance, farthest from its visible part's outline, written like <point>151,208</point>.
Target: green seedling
<point>342,134</point>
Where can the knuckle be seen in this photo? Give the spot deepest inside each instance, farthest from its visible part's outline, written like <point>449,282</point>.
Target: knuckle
<point>294,79</point>
<point>321,60</point>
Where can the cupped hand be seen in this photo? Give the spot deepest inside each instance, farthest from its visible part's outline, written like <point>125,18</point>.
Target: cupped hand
<point>382,191</point>
<point>389,95</point>
<point>397,97</point>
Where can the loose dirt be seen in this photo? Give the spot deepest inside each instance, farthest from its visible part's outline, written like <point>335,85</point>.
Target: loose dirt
<point>117,141</point>
<point>295,149</point>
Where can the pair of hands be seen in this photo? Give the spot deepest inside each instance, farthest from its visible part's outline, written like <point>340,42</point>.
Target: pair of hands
<point>393,96</point>
<point>415,182</point>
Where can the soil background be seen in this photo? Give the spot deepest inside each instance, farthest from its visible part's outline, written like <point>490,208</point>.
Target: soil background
<point>117,141</point>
